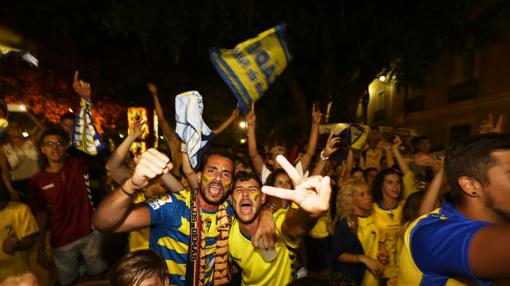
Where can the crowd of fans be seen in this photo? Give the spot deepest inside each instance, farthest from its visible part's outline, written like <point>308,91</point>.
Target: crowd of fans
<point>391,213</point>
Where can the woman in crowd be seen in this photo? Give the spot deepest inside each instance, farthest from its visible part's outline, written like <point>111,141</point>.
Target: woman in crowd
<point>356,237</point>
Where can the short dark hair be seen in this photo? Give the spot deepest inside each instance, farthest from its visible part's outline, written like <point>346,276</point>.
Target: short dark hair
<point>271,179</point>
<point>245,176</point>
<point>219,152</point>
<point>67,115</point>
<point>472,159</point>
<point>137,266</point>
<point>378,183</point>
<point>55,130</point>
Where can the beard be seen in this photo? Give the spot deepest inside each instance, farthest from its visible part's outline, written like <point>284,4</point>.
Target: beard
<point>504,215</point>
<point>212,201</point>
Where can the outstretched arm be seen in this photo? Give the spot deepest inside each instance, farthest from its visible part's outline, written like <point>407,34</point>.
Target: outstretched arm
<point>312,141</point>
<point>232,118</point>
<point>311,194</point>
<point>116,212</point>
<point>173,141</point>
<point>256,159</point>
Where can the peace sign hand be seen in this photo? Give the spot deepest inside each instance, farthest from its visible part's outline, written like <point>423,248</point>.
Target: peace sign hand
<point>312,194</point>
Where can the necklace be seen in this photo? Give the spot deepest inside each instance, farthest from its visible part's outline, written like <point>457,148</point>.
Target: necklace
<point>389,209</point>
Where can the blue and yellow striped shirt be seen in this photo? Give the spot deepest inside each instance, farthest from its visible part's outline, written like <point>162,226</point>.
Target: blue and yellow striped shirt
<point>170,234</point>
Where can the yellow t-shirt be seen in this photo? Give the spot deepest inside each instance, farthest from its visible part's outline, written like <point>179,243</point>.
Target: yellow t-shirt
<point>139,239</point>
<point>15,218</point>
<point>256,271</point>
<point>320,229</point>
<point>368,235</point>
<point>389,225</point>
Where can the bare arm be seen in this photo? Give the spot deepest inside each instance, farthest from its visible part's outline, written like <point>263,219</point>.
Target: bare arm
<point>402,164</point>
<point>233,117</point>
<point>329,150</point>
<point>117,157</point>
<point>490,261</point>
<point>256,159</point>
<point>172,183</point>
<point>190,174</point>
<point>172,139</point>
<point>116,212</point>
<point>429,200</point>
<point>312,141</point>
<point>6,177</point>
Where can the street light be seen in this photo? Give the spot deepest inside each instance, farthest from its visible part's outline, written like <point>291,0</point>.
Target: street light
<point>382,78</point>
<point>242,124</point>
<point>243,140</point>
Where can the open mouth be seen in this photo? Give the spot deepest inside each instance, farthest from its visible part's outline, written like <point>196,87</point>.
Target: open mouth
<point>245,207</point>
<point>215,189</point>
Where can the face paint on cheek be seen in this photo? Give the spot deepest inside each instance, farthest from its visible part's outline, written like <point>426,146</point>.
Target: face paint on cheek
<point>206,179</point>
<point>255,196</point>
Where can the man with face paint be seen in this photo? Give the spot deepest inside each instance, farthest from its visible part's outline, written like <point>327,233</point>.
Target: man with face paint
<point>311,195</point>
<point>188,229</point>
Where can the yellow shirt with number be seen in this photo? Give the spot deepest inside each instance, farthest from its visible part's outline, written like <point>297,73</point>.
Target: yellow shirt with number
<point>256,271</point>
<point>15,218</point>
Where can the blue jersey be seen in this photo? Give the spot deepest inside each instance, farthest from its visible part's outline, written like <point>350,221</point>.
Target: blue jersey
<point>436,249</point>
<point>169,234</point>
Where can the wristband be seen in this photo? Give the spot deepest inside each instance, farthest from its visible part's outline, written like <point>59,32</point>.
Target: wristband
<point>324,158</point>
<point>126,192</point>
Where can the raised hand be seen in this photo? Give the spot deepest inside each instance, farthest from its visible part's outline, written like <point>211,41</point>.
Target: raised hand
<point>81,87</point>
<point>331,145</point>
<point>235,114</point>
<point>316,114</point>
<point>251,118</point>
<point>312,194</point>
<point>137,128</point>
<point>488,126</point>
<point>152,163</point>
<point>152,88</point>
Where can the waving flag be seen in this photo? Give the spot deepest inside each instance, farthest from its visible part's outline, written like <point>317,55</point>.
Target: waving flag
<point>253,65</point>
<point>4,50</point>
<point>85,136</point>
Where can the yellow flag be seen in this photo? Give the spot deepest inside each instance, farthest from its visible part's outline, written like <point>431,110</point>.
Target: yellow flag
<point>252,65</point>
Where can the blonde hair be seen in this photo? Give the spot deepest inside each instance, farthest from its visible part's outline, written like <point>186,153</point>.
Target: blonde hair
<point>345,204</point>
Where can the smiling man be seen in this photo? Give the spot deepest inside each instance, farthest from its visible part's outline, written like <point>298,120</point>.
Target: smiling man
<point>311,195</point>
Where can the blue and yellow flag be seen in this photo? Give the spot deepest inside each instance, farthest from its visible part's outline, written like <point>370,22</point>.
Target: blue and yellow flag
<point>253,65</point>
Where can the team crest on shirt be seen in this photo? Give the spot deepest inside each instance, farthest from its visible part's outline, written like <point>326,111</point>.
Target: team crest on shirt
<point>156,203</point>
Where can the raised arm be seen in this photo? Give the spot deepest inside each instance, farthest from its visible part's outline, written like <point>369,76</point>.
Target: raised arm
<point>348,165</point>
<point>256,159</point>
<point>429,200</point>
<point>312,141</point>
<point>117,212</point>
<point>329,149</point>
<point>114,163</point>
<point>172,139</point>
<point>311,194</point>
<point>189,172</point>
<point>232,118</point>
<point>402,164</point>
